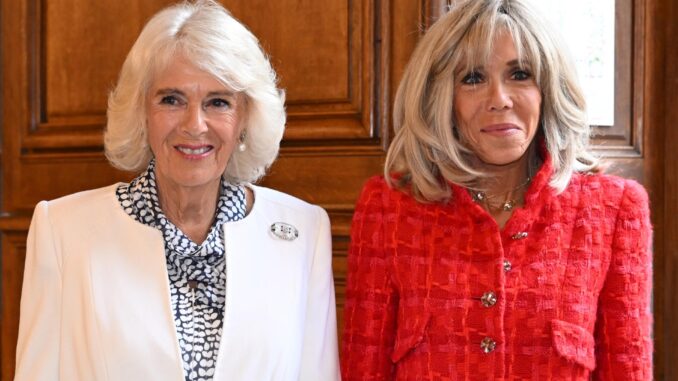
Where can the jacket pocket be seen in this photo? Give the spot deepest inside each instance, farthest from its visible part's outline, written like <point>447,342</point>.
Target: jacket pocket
<point>409,334</point>
<point>574,343</point>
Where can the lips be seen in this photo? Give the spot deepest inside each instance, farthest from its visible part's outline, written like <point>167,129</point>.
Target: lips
<point>501,129</point>
<point>194,151</point>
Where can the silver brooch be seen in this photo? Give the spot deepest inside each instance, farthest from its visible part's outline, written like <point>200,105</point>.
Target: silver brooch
<point>284,231</point>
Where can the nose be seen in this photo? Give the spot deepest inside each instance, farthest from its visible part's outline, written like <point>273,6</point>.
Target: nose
<point>194,123</point>
<point>499,96</point>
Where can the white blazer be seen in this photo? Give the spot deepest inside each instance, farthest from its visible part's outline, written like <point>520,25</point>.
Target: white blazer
<point>96,305</point>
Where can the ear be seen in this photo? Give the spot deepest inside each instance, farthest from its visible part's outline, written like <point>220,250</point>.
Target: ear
<point>244,113</point>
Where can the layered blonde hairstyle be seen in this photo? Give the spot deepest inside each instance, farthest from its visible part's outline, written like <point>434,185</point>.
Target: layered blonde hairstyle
<point>426,151</point>
<point>208,36</point>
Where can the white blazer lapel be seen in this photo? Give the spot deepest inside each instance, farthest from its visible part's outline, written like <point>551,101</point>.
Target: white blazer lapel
<point>130,270</point>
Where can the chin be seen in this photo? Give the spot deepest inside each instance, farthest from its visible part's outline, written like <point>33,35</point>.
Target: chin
<point>193,181</point>
<point>502,159</point>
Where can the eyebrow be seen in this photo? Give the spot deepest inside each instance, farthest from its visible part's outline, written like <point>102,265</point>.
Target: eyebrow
<point>225,93</point>
<point>172,90</point>
<point>515,62</point>
<point>523,65</point>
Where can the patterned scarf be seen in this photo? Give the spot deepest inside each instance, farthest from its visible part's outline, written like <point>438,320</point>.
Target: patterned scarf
<point>197,272</point>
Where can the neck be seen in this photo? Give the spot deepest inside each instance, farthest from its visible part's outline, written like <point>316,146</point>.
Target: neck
<point>505,179</point>
<point>191,209</point>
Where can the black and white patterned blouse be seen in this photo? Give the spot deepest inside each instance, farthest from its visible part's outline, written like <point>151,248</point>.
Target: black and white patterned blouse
<point>197,273</point>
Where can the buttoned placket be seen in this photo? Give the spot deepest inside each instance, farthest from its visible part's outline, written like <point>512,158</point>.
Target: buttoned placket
<point>489,300</point>
<point>488,295</point>
<point>513,241</point>
<point>493,299</point>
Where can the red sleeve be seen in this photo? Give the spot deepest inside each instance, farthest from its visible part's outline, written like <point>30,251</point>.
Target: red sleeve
<point>371,300</point>
<point>624,322</point>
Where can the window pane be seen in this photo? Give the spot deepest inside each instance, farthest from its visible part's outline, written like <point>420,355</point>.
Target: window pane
<point>587,28</point>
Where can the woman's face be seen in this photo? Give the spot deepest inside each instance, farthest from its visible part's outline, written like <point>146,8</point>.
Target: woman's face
<point>497,106</point>
<point>194,123</point>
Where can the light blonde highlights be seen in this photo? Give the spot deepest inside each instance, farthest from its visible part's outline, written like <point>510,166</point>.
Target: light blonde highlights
<point>426,151</point>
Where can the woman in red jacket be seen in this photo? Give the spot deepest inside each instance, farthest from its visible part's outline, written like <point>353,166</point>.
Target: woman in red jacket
<point>492,248</point>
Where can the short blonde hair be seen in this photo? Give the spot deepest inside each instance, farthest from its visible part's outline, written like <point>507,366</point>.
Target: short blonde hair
<point>214,41</point>
<point>425,149</point>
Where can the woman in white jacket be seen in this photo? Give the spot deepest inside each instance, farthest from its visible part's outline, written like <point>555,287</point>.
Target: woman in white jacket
<point>189,272</point>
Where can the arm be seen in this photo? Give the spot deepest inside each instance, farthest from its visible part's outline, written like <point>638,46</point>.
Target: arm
<point>371,300</point>
<point>624,321</point>
<point>39,327</point>
<point>320,360</point>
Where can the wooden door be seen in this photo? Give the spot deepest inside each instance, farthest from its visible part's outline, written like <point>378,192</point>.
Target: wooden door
<point>340,62</point>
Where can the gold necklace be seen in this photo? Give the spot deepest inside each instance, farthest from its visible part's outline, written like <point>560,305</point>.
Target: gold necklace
<point>481,197</point>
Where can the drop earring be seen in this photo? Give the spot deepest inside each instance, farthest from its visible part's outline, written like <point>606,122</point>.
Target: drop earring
<point>242,146</point>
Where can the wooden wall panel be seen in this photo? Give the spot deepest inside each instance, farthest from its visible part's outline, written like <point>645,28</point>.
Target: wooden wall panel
<point>76,50</point>
<point>13,254</point>
<point>82,46</point>
<point>312,72</point>
<point>329,84</point>
<point>661,171</point>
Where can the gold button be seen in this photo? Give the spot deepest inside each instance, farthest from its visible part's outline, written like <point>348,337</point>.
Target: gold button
<point>488,299</point>
<point>488,345</point>
<point>507,265</point>
<point>519,235</point>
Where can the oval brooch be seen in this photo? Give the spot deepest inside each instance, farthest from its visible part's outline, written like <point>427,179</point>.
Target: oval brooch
<point>284,231</point>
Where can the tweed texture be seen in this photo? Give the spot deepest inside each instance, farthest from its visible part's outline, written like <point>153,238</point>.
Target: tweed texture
<point>574,304</point>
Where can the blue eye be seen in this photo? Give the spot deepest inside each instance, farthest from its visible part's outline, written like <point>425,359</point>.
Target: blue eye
<point>472,78</point>
<point>169,100</point>
<point>521,75</point>
<point>219,103</point>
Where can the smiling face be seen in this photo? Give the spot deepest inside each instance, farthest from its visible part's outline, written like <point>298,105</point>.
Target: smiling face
<point>497,106</point>
<point>194,123</point>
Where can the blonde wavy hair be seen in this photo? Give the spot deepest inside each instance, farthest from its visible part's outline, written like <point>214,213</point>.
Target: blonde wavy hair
<point>427,153</point>
<point>214,41</point>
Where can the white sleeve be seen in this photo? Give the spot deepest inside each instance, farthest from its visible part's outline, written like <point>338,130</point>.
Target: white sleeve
<point>38,346</point>
<point>320,355</point>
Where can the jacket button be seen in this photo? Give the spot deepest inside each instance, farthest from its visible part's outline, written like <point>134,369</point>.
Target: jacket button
<point>507,265</point>
<point>488,345</point>
<point>519,235</point>
<point>489,299</point>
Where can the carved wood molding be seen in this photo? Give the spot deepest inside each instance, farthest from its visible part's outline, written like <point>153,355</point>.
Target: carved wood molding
<point>357,115</point>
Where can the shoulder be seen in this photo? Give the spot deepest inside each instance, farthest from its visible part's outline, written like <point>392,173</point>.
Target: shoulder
<point>376,188</point>
<point>378,199</point>
<point>378,191</point>
<point>275,201</point>
<point>91,195</point>
<point>376,182</point>
<point>83,205</point>
<point>284,200</point>
<point>615,190</point>
<point>632,202</point>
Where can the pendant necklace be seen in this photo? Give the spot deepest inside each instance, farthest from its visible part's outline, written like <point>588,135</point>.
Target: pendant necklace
<point>481,197</point>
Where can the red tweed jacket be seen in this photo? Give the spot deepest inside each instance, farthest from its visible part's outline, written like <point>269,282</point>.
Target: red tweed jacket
<point>438,292</point>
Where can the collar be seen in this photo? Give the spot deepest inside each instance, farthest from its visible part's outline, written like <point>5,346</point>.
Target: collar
<point>538,193</point>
